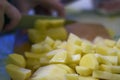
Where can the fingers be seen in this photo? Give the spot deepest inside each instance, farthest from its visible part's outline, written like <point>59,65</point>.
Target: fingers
<point>54,5</point>
<point>59,8</point>
<point>14,16</point>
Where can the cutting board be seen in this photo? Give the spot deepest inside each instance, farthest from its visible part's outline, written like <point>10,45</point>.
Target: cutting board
<point>88,30</point>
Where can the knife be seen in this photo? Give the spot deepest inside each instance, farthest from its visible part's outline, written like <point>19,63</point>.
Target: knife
<point>27,22</point>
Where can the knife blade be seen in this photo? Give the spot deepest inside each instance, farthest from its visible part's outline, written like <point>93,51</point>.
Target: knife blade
<point>27,22</point>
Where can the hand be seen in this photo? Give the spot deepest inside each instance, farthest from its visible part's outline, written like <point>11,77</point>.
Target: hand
<point>25,5</point>
<point>11,12</point>
<point>14,16</point>
<point>53,5</point>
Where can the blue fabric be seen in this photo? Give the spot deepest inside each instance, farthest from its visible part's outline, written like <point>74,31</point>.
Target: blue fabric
<point>6,48</point>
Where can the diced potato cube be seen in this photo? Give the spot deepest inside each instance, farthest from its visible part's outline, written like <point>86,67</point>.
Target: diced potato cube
<point>102,74</point>
<point>54,52</point>
<point>44,60</point>
<point>83,71</point>
<point>35,36</point>
<point>115,77</point>
<point>101,49</point>
<point>99,41</point>
<point>32,55</point>
<point>110,43</point>
<point>76,58</point>
<point>118,43</point>
<point>71,77</point>
<point>56,23</point>
<point>50,72</point>
<point>61,57</point>
<point>18,73</point>
<point>72,65</point>
<point>57,43</point>
<point>112,59</point>
<point>33,64</point>
<point>62,45</point>
<point>89,61</point>
<point>104,50</point>
<point>49,41</point>
<point>73,49</point>
<point>118,58</point>
<point>41,25</point>
<point>87,47</point>
<point>67,68</point>
<point>87,78</point>
<point>57,33</point>
<point>41,48</point>
<point>16,59</point>
<point>73,39</point>
<point>102,60</point>
<point>73,44</point>
<point>112,69</point>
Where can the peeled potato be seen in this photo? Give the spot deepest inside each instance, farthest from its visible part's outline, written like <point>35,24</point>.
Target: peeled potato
<point>18,73</point>
<point>89,61</point>
<point>16,59</point>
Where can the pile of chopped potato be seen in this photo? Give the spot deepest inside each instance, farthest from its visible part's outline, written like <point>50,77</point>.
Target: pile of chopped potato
<point>73,59</point>
<point>52,28</point>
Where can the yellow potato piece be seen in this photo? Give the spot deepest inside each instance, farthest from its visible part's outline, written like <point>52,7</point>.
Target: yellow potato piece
<point>32,55</point>
<point>35,36</point>
<point>99,41</point>
<point>103,50</point>
<point>57,43</point>
<point>102,60</point>
<point>73,39</point>
<point>87,47</point>
<point>50,72</point>
<point>89,61</point>
<point>118,54</point>
<point>41,25</point>
<point>65,67</point>
<point>83,71</point>
<point>115,77</point>
<point>102,74</point>
<point>18,73</point>
<point>71,77</point>
<point>41,48</point>
<point>62,45</point>
<point>61,57</point>
<point>58,33</point>
<point>56,23</point>
<point>110,43</point>
<point>76,58</point>
<point>118,43</point>
<point>112,59</point>
<point>33,64</point>
<point>112,69</point>
<point>49,41</point>
<point>54,52</point>
<point>87,78</point>
<point>44,60</point>
<point>73,44</point>
<point>16,59</point>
